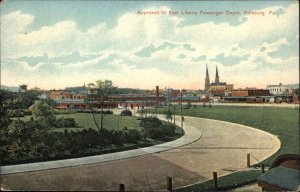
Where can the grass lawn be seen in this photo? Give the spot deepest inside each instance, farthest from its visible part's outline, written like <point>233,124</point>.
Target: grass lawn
<point>85,121</point>
<point>224,183</point>
<point>116,122</point>
<point>283,122</point>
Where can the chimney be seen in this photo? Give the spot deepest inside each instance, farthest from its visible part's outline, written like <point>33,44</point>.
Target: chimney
<point>157,95</point>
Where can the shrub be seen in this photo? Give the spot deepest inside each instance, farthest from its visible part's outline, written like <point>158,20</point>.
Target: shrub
<point>161,132</point>
<point>154,129</point>
<point>18,113</point>
<point>126,113</point>
<point>132,136</point>
<point>150,122</point>
<point>64,111</point>
<point>90,111</point>
<point>118,138</point>
<point>107,112</point>
<point>65,122</point>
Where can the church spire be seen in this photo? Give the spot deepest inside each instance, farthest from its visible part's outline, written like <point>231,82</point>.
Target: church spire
<point>207,71</point>
<point>217,75</point>
<point>207,83</point>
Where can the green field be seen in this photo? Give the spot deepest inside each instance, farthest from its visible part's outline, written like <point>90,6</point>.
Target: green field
<point>85,121</point>
<point>282,122</point>
<point>115,122</point>
<point>225,182</point>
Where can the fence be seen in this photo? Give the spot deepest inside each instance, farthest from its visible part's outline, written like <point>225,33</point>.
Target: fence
<point>214,184</point>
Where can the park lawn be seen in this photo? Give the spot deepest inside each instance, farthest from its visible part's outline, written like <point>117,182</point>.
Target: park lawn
<point>282,122</point>
<point>85,121</point>
<point>226,182</point>
<point>111,122</point>
<point>115,122</point>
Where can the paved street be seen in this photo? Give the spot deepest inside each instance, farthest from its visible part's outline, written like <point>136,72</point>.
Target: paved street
<point>223,148</point>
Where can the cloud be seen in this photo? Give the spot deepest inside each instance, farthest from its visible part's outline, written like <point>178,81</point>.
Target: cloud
<point>200,58</point>
<point>231,59</point>
<point>286,50</point>
<point>181,56</point>
<point>151,49</point>
<point>189,47</point>
<point>138,46</point>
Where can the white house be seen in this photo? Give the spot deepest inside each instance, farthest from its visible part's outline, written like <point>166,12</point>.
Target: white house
<point>278,89</point>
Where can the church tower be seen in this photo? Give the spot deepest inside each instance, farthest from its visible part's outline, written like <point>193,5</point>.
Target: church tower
<point>217,80</point>
<point>207,83</point>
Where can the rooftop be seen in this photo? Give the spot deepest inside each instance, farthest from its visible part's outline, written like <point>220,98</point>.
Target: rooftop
<point>220,83</point>
<point>282,177</point>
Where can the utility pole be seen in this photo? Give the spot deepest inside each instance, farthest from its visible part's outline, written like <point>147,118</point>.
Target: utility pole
<point>156,109</point>
<point>174,108</point>
<point>181,111</point>
<point>146,106</point>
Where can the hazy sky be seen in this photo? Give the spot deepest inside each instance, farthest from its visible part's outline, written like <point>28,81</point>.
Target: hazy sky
<point>54,44</point>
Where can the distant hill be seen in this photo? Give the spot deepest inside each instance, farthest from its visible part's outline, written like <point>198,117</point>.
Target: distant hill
<point>13,89</point>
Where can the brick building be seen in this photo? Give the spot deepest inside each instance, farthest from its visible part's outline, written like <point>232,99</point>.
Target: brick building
<point>249,96</point>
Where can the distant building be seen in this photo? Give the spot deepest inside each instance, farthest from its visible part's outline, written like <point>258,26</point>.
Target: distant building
<point>36,89</point>
<point>281,89</point>
<point>22,88</point>
<point>249,96</point>
<point>250,92</point>
<point>277,89</point>
<point>59,95</point>
<point>219,88</point>
<point>79,98</point>
<point>251,88</point>
<point>217,80</point>
<point>81,90</point>
<point>207,82</point>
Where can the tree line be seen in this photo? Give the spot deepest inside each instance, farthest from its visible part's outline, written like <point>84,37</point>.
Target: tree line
<point>34,140</point>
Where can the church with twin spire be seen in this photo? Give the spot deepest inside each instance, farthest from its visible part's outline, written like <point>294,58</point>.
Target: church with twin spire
<point>217,87</point>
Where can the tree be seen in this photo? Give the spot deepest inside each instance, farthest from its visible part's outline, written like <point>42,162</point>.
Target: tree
<point>4,119</point>
<point>126,113</point>
<point>21,100</point>
<point>189,104</point>
<point>168,115</point>
<point>51,102</point>
<point>297,91</point>
<point>99,91</point>
<point>4,122</point>
<point>42,109</point>
<point>43,112</point>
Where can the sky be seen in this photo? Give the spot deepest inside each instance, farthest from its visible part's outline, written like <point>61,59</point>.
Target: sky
<point>56,44</point>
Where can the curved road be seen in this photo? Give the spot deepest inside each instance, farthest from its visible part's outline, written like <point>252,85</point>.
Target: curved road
<point>222,148</point>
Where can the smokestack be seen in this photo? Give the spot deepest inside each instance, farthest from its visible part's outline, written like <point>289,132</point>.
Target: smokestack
<point>157,95</point>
